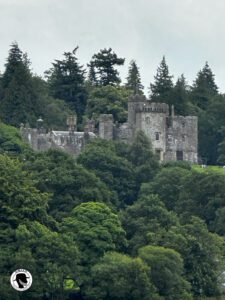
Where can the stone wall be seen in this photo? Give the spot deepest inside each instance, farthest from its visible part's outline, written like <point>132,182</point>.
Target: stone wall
<point>173,137</point>
<point>124,132</point>
<point>182,135</point>
<point>106,126</point>
<point>70,142</point>
<point>153,125</point>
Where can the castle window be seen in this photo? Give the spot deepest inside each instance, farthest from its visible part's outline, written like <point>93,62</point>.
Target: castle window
<point>158,153</point>
<point>147,120</point>
<point>180,155</point>
<point>157,136</point>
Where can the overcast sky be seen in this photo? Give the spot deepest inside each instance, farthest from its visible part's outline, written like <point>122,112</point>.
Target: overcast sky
<point>187,32</point>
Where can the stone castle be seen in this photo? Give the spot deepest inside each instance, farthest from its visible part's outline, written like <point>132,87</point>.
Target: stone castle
<point>173,137</point>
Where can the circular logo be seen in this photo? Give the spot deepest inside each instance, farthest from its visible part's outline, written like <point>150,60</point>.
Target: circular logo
<point>21,280</point>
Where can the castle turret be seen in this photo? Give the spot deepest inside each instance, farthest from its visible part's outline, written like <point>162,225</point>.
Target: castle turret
<point>106,126</point>
<point>72,124</point>
<point>136,102</point>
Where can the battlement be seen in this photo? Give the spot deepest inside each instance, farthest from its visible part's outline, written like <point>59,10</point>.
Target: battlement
<point>139,103</point>
<point>153,107</point>
<point>106,118</point>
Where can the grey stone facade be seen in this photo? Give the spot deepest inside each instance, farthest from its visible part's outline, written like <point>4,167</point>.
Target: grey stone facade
<point>70,141</point>
<point>173,137</point>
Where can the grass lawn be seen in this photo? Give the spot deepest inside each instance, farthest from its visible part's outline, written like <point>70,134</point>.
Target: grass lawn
<point>217,169</point>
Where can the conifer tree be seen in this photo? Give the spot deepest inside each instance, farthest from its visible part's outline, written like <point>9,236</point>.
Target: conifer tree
<point>92,75</point>
<point>103,64</point>
<point>66,82</point>
<point>180,96</point>
<point>1,87</point>
<point>134,78</point>
<point>204,87</point>
<point>19,103</point>
<point>161,89</point>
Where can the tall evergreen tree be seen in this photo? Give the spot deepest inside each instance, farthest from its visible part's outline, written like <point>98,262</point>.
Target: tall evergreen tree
<point>180,96</point>
<point>134,78</point>
<point>204,87</point>
<point>66,82</point>
<point>103,64</point>
<point>92,74</point>
<point>1,87</point>
<point>20,100</point>
<point>161,89</point>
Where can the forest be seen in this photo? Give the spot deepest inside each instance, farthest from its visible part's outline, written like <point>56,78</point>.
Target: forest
<point>113,223</point>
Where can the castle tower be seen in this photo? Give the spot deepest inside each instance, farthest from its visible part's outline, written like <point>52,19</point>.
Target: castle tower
<point>151,118</point>
<point>106,126</point>
<point>135,103</point>
<point>72,124</point>
<point>182,139</point>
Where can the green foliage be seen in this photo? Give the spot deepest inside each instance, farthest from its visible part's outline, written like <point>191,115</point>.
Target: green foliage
<point>204,262</point>
<point>166,272</point>
<point>51,257</point>
<point>180,96</point>
<point>202,195</point>
<point>221,153</point>
<point>54,112</point>
<point>147,215</point>
<point>20,98</point>
<point>102,68</point>
<point>178,163</point>
<point>108,100</point>
<point>191,193</point>
<point>117,276</point>
<point>70,184</point>
<point>11,141</point>
<point>204,87</point>
<point>134,78</point>
<point>211,129</point>
<point>20,200</point>
<point>95,229</point>
<point>115,171</point>
<point>25,239</point>
<point>66,82</point>
<point>142,157</point>
<point>168,184</point>
<point>162,88</point>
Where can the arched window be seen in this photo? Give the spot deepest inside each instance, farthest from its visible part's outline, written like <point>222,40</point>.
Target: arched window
<point>147,120</point>
<point>157,136</point>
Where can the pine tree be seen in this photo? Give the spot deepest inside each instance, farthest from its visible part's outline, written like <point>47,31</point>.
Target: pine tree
<point>161,89</point>
<point>180,96</point>
<point>1,87</point>
<point>66,82</point>
<point>103,64</point>
<point>20,101</point>
<point>92,75</point>
<point>134,78</point>
<point>204,87</point>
